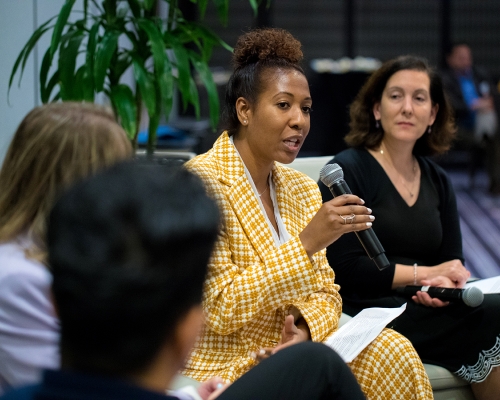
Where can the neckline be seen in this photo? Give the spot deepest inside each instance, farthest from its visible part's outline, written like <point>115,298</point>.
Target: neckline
<point>417,194</point>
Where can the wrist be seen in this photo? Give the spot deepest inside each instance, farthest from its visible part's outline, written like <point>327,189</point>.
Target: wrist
<point>421,274</point>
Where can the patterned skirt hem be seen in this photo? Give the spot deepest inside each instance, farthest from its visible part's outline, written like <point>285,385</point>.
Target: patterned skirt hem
<point>488,359</point>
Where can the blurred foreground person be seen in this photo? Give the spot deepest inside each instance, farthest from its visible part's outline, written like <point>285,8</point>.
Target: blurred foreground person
<point>129,249</point>
<point>55,145</point>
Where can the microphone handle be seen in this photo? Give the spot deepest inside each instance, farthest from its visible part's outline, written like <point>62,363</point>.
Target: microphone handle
<point>445,294</point>
<point>367,238</point>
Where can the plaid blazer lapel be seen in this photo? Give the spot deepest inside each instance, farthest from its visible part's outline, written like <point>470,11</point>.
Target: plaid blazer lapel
<point>242,198</point>
<point>286,193</point>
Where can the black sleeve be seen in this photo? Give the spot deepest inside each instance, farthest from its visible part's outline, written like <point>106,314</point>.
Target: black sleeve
<point>357,275</point>
<point>451,246</point>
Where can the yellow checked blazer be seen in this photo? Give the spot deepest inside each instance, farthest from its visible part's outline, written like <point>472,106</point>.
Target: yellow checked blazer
<point>251,283</point>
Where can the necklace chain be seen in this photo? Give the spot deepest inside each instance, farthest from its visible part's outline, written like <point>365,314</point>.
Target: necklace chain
<point>401,176</point>
<point>264,191</point>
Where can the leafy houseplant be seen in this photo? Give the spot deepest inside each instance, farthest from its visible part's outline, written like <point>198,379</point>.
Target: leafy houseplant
<point>163,53</point>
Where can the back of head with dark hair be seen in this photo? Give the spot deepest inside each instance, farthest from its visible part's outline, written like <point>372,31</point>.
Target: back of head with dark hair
<point>256,52</point>
<point>129,249</point>
<point>364,132</point>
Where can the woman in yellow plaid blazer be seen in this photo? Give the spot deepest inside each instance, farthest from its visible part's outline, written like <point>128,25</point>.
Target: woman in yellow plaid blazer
<point>269,284</point>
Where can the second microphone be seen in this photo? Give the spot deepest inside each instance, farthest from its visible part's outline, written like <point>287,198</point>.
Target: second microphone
<point>333,177</point>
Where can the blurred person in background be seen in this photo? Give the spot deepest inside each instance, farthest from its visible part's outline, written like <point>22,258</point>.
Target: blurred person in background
<point>474,96</point>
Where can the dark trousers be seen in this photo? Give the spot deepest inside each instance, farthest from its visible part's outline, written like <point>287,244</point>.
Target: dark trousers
<point>303,371</point>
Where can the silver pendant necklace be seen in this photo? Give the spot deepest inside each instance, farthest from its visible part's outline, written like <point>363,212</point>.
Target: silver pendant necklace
<point>400,176</point>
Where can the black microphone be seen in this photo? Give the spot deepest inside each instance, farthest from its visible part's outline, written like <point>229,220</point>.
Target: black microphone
<point>333,177</point>
<point>472,296</point>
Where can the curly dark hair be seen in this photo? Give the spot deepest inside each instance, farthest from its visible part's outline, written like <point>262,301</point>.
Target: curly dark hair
<point>257,53</point>
<point>363,130</point>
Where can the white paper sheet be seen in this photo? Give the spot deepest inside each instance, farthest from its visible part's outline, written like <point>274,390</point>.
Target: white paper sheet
<point>489,285</point>
<point>361,330</point>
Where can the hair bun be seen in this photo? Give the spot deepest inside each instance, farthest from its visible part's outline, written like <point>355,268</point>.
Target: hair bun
<point>266,44</point>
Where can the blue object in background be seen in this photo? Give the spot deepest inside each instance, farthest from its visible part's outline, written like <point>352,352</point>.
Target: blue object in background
<point>168,137</point>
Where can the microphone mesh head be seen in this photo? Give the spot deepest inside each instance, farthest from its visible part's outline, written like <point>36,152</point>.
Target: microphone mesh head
<point>472,296</point>
<point>330,174</point>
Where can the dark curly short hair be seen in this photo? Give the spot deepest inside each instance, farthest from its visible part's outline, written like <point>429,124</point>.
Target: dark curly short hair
<point>256,53</point>
<point>363,130</point>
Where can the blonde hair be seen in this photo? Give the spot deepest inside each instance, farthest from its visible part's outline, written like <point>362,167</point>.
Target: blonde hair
<point>54,146</point>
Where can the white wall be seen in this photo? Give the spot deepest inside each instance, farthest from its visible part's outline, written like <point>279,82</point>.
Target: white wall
<point>18,20</point>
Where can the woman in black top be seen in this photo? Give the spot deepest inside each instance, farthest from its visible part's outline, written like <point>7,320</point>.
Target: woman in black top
<point>399,117</point>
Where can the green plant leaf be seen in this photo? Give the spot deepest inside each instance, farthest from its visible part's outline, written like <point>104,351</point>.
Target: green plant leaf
<point>155,42</point>
<point>24,54</point>
<point>222,10</point>
<point>90,56</point>
<point>202,8</point>
<point>255,7</point>
<point>62,19</point>
<point>124,103</point>
<point>56,97</point>
<point>166,84</point>
<point>103,57</point>
<point>146,86</point>
<point>149,3</point>
<point>67,62</point>
<point>193,94</point>
<point>213,96</point>
<point>54,80</point>
<point>44,70</point>
<point>83,88</point>
<point>183,67</point>
<point>122,63</point>
<point>79,84</point>
<point>135,7</point>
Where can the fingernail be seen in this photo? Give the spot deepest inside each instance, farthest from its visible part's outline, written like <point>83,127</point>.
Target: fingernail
<point>262,352</point>
<point>369,224</point>
<point>219,385</point>
<point>372,217</point>
<point>369,210</point>
<point>362,201</point>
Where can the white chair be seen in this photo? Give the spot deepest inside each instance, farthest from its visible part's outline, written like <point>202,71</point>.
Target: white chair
<point>445,385</point>
<point>310,165</point>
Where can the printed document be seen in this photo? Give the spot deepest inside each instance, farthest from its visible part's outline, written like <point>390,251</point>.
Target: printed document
<point>488,285</point>
<point>361,330</point>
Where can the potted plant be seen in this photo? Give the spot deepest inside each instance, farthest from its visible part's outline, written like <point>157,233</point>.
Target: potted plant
<point>115,35</point>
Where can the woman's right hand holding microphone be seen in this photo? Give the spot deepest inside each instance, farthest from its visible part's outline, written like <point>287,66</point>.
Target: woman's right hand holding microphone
<point>345,213</point>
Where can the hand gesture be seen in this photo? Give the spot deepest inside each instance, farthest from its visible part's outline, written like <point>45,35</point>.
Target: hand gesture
<point>426,300</point>
<point>340,215</point>
<point>291,334</point>
<point>212,388</point>
<point>453,270</point>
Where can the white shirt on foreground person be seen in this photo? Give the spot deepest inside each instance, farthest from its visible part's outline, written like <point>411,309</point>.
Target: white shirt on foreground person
<point>29,328</point>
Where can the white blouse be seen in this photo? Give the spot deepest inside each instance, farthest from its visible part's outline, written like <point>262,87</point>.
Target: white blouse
<point>282,235</point>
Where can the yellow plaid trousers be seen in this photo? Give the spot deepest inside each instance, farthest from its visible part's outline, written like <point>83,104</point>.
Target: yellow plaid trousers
<point>251,284</point>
